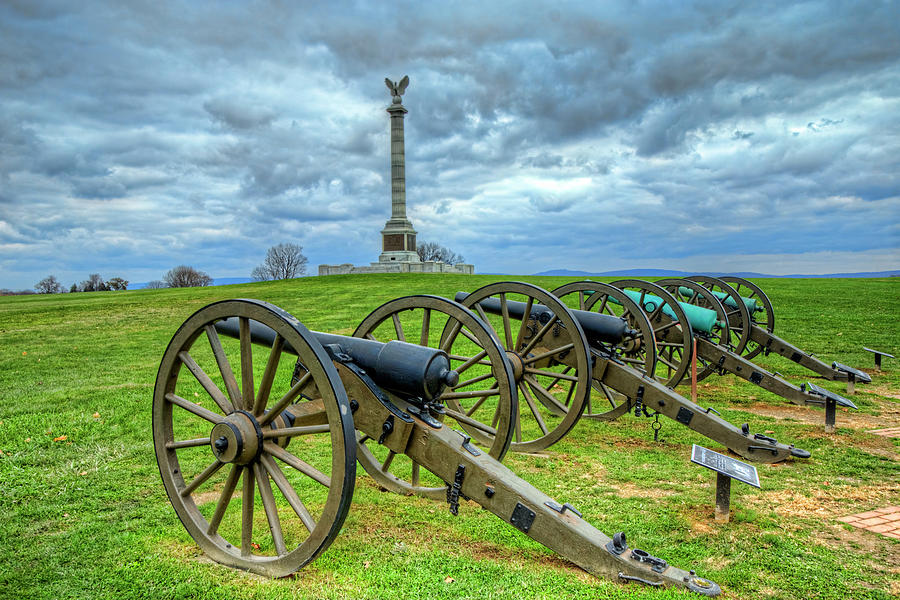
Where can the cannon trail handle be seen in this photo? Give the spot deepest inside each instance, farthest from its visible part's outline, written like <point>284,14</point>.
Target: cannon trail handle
<point>484,480</point>
<point>668,402</point>
<point>772,343</point>
<point>743,368</point>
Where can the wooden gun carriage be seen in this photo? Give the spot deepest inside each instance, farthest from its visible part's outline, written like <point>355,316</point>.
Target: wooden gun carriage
<point>727,335</point>
<point>612,374</point>
<point>217,428</point>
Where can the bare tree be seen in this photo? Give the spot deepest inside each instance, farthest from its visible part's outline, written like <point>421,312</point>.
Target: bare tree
<point>284,261</point>
<point>185,276</point>
<point>94,283</point>
<point>48,285</point>
<point>117,284</point>
<point>156,284</point>
<point>436,252</point>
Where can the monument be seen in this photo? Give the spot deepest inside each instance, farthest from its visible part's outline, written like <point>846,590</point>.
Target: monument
<point>398,238</point>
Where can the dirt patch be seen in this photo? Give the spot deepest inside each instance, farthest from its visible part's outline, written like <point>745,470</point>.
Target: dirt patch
<point>838,536</point>
<point>827,502</point>
<point>889,414</point>
<point>882,390</point>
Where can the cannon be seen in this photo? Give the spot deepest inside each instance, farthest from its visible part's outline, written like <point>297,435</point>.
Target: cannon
<point>721,333</point>
<point>762,340</point>
<point>218,428</point>
<point>560,375</point>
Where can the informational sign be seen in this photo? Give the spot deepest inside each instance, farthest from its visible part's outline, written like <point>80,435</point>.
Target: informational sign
<point>725,465</point>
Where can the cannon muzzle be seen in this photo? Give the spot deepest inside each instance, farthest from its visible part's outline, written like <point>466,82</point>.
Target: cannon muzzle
<point>406,369</point>
<point>597,327</point>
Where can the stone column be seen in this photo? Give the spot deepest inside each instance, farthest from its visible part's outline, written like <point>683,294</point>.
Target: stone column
<point>398,238</point>
<point>398,161</point>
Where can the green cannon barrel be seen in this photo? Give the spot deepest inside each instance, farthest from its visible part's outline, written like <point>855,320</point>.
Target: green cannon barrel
<point>751,303</point>
<point>701,319</point>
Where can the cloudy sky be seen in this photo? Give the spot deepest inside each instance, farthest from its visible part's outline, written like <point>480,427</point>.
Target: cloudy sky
<point>135,136</point>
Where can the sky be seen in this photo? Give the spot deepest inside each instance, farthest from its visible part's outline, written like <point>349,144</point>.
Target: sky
<point>717,136</point>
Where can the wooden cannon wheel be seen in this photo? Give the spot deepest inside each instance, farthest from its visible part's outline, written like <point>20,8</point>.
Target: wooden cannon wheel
<point>693,293</point>
<point>215,427</point>
<point>483,403</point>
<point>550,360</point>
<point>764,319</point>
<point>637,350</point>
<point>674,337</point>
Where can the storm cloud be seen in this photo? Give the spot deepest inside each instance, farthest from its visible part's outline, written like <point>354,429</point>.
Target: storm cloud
<point>709,135</point>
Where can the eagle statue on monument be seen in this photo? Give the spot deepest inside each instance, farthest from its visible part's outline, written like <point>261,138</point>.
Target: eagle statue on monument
<point>396,88</point>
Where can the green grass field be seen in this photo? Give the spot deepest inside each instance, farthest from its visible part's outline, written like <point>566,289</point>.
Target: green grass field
<point>83,513</point>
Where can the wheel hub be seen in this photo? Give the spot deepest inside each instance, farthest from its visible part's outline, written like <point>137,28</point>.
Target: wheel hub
<point>237,439</point>
<point>518,366</point>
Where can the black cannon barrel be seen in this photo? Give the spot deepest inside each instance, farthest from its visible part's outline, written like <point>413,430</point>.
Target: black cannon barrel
<point>406,369</point>
<point>597,327</point>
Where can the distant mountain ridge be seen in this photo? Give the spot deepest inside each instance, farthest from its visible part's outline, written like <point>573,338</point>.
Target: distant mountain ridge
<point>744,274</point>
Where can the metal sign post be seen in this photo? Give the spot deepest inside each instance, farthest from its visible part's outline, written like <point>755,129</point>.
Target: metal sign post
<point>726,469</point>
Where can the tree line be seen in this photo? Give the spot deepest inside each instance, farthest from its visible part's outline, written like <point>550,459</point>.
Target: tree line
<point>284,261</point>
<point>94,283</point>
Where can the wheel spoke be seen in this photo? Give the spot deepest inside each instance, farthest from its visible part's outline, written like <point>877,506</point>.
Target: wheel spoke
<point>469,336</point>
<point>386,465</point>
<point>461,358</point>
<point>415,474</point>
<point>288,491</point>
<point>474,380</point>
<point>569,394</point>
<point>603,304</point>
<point>671,365</point>
<point>545,394</point>
<point>265,385</point>
<point>481,400</point>
<point>524,325</point>
<point>531,404</point>
<point>285,400</point>
<point>290,432</point>
<point>398,328</point>
<point>533,359</point>
<point>481,314</point>
<point>471,422</point>
<point>268,500</point>
<point>474,360</point>
<point>224,366</point>
<point>553,374</point>
<point>211,388</point>
<point>605,389</point>
<point>246,363</point>
<point>224,499</point>
<point>507,326</point>
<point>291,460</point>
<point>247,513</point>
<point>665,327</point>
<point>426,327</point>
<point>451,336</point>
<point>472,394</point>
<point>194,408</point>
<point>201,478</point>
<point>187,443</point>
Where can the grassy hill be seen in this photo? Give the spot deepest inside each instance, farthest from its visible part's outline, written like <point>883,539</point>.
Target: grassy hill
<point>84,514</point>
